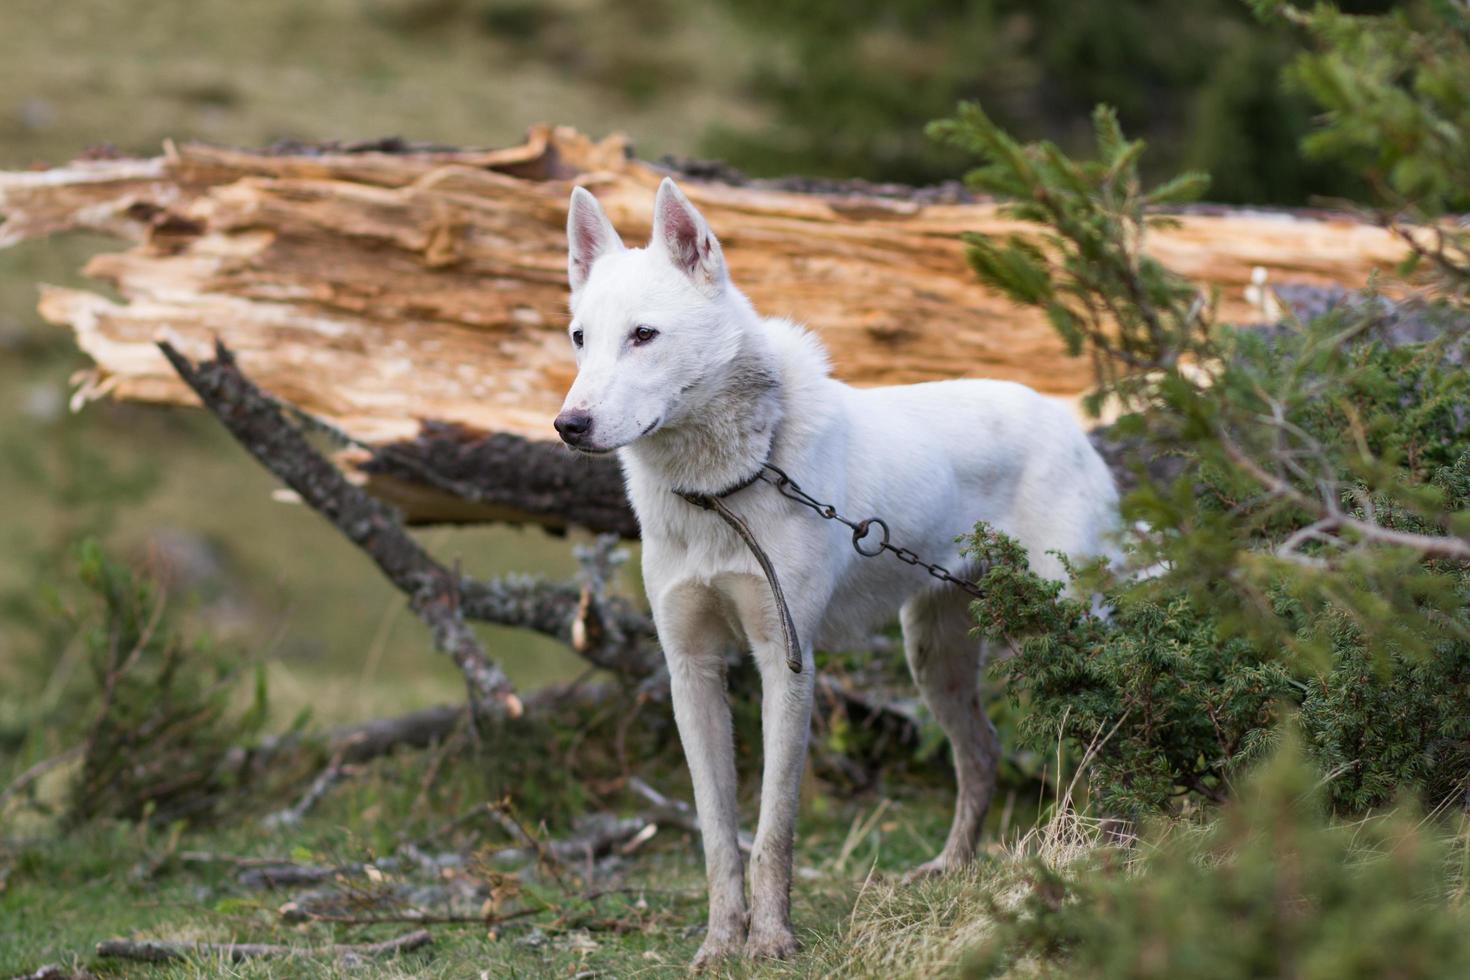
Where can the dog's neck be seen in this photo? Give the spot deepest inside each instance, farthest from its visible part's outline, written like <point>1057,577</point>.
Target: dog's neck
<point>727,429</point>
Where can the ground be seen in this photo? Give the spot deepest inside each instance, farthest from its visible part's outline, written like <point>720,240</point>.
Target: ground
<point>61,895</point>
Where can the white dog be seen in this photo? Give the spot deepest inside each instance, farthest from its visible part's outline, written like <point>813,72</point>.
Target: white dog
<point>678,373</point>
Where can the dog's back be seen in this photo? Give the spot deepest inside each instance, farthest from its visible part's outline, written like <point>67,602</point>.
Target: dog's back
<point>933,460</point>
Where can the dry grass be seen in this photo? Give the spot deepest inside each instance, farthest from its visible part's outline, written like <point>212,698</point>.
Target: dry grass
<point>927,928</point>
<point>923,929</point>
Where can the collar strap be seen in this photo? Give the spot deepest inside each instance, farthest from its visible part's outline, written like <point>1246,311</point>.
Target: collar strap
<point>700,498</point>
<point>716,503</point>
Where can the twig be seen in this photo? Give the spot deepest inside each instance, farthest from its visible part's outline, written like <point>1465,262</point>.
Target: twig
<point>157,950</point>
<point>413,915</point>
<point>1428,545</point>
<point>678,812</point>
<point>505,815</point>
<point>38,770</point>
<point>55,971</point>
<point>668,804</point>
<point>359,743</point>
<point>237,860</point>
<point>291,873</point>
<point>292,815</point>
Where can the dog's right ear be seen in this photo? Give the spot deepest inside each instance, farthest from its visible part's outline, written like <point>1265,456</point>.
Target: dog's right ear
<point>590,235</point>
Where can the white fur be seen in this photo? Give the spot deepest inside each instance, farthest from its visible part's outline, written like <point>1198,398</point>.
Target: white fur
<point>717,392</point>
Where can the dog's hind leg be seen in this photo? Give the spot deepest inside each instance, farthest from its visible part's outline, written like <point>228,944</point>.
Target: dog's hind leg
<point>945,659</point>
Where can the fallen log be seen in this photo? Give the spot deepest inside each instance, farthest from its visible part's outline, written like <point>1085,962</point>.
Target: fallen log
<point>415,296</point>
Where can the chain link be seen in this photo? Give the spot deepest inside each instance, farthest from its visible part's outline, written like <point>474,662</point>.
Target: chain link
<point>792,490</point>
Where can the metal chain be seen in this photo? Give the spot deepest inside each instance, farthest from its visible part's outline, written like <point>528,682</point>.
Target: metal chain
<point>792,490</point>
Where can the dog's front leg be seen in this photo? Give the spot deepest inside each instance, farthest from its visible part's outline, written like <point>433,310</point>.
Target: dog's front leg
<point>697,683</point>
<point>786,719</point>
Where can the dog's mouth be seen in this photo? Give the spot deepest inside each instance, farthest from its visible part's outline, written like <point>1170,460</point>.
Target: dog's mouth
<point>605,450</point>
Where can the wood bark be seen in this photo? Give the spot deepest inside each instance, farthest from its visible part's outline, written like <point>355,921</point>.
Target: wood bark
<point>415,296</point>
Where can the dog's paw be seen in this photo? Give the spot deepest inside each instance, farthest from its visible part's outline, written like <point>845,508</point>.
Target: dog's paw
<point>942,865</point>
<point>715,950</point>
<point>771,944</point>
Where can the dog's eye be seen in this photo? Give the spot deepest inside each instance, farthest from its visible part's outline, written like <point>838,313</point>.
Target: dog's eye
<point>642,335</point>
<point>577,337</point>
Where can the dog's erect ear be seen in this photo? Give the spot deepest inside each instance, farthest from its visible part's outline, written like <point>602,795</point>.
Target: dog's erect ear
<point>589,236</point>
<point>683,234</point>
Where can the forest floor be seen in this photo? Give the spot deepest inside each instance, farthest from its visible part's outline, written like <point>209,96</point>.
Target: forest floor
<point>411,833</point>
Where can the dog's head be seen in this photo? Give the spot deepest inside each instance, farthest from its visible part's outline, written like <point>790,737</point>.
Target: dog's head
<point>649,325</point>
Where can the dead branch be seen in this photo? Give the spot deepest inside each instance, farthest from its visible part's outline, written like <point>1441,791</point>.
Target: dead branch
<point>612,633</point>
<point>620,639</point>
<point>1330,516</point>
<point>498,476</point>
<point>269,872</point>
<point>373,526</point>
<point>868,710</point>
<point>38,770</point>
<point>55,971</point>
<point>419,729</point>
<point>157,950</point>
<point>411,916</point>
<point>319,788</point>
<point>354,744</point>
<point>678,813</point>
<point>599,834</point>
<point>285,874</point>
<point>290,874</point>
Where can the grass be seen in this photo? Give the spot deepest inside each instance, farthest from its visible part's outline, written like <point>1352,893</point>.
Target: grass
<point>62,893</point>
<point>71,895</point>
<point>64,886</point>
<point>464,72</point>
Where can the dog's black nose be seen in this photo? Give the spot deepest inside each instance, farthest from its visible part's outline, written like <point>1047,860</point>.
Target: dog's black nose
<point>575,426</point>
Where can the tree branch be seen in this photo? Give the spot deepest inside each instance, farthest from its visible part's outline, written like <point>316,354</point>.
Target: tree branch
<point>608,631</point>
<point>434,592</point>
<point>157,950</point>
<point>498,473</point>
<point>1332,518</point>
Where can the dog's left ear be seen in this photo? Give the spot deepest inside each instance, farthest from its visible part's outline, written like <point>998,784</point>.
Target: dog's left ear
<point>685,237</point>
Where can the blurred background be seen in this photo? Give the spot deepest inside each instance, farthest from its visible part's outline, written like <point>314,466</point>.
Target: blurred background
<point>832,87</point>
